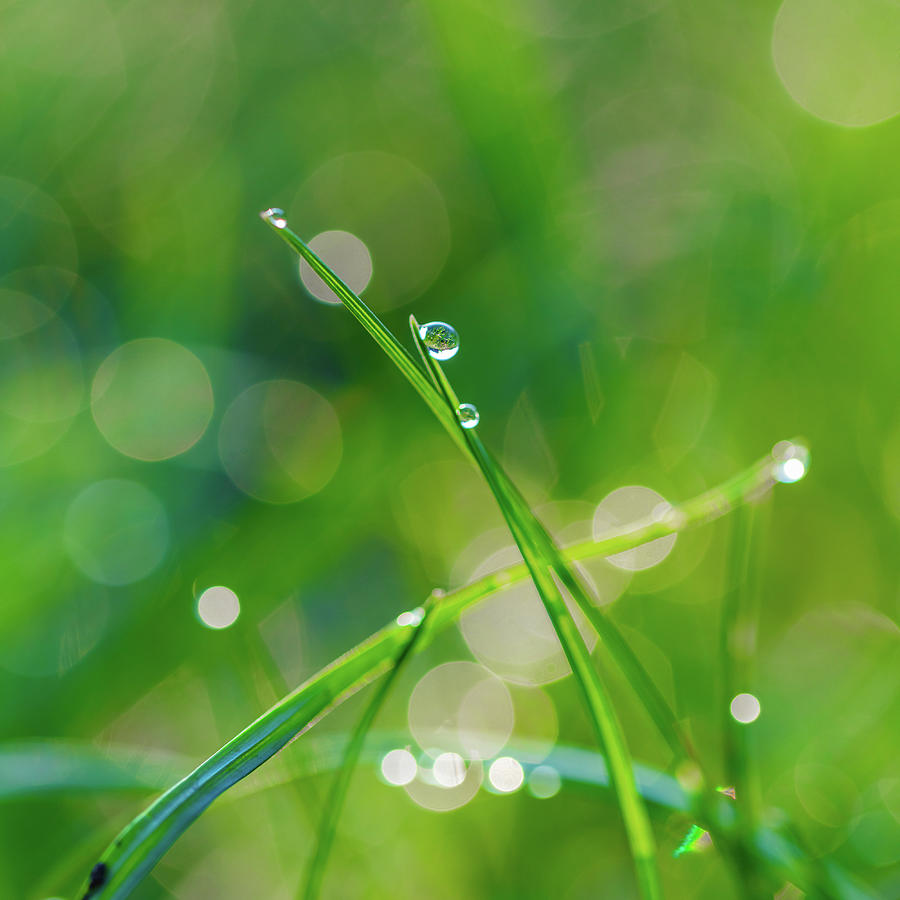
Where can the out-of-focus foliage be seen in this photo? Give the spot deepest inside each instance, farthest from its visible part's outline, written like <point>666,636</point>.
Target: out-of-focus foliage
<point>667,234</point>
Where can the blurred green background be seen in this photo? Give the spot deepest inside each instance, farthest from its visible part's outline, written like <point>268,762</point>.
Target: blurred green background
<point>668,236</point>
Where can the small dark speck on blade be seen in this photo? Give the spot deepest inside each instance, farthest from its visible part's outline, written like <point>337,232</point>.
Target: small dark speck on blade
<point>96,880</point>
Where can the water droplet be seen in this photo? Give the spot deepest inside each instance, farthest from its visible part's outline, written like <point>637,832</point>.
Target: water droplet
<point>413,617</point>
<point>467,415</point>
<point>440,338</point>
<point>274,216</point>
<point>791,462</point>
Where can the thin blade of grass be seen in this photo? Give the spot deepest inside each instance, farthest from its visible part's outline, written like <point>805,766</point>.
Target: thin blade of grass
<point>543,567</point>
<point>737,625</point>
<point>611,638</point>
<point>395,351</point>
<point>33,767</point>
<point>337,795</point>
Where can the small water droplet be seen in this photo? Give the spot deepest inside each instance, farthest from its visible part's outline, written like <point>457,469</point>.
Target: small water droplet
<point>413,617</point>
<point>274,216</point>
<point>791,462</point>
<point>467,415</point>
<point>440,338</point>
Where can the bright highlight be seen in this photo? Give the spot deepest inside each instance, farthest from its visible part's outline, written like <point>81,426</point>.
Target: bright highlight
<point>399,767</point>
<point>745,708</point>
<point>506,774</point>
<point>218,607</point>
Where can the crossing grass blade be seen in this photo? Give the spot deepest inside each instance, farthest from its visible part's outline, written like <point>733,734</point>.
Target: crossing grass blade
<point>780,851</point>
<point>337,795</point>
<point>434,388</point>
<point>146,838</point>
<point>547,577</point>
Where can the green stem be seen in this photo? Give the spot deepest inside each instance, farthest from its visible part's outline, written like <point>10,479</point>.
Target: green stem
<point>600,709</point>
<point>543,561</point>
<point>334,803</point>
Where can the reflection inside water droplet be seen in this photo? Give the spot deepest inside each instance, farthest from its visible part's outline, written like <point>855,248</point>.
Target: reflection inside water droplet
<point>274,216</point>
<point>467,415</point>
<point>440,338</point>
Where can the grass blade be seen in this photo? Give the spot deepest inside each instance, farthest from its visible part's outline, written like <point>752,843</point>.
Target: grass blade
<point>544,573</point>
<point>395,351</point>
<point>737,626</point>
<point>334,803</point>
<point>143,842</point>
<point>39,767</point>
<point>30,768</point>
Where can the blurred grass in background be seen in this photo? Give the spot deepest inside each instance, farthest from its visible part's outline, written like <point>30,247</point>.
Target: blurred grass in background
<point>668,236</point>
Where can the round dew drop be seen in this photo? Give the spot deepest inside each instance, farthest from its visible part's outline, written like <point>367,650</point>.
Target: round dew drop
<point>467,415</point>
<point>275,216</point>
<point>440,339</point>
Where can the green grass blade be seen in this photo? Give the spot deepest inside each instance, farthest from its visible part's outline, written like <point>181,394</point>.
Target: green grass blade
<point>600,709</point>
<point>736,626</point>
<point>36,768</point>
<point>143,842</point>
<point>543,567</point>
<point>395,351</point>
<point>611,638</point>
<point>334,803</point>
<point>530,531</point>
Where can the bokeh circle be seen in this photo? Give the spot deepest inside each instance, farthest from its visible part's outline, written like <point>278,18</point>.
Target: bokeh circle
<point>152,399</point>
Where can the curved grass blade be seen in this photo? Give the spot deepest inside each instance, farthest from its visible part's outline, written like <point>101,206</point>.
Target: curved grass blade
<point>395,351</point>
<point>618,648</point>
<point>334,804</point>
<point>78,766</point>
<point>143,842</point>
<point>541,546</point>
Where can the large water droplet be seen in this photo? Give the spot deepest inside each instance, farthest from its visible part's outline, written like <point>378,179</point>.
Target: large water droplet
<point>467,415</point>
<point>441,340</point>
<point>274,216</point>
<point>791,462</point>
